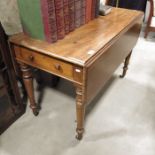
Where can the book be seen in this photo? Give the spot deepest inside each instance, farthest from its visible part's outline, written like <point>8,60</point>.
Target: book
<point>93,9</point>
<point>88,10</point>
<point>78,13</point>
<point>105,9</point>
<point>97,8</point>
<point>83,12</point>
<point>49,20</point>
<point>66,15</point>
<point>71,15</point>
<point>31,18</point>
<point>38,19</point>
<point>60,19</point>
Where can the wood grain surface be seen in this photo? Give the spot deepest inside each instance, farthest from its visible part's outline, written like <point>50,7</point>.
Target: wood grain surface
<point>84,43</point>
<point>104,65</point>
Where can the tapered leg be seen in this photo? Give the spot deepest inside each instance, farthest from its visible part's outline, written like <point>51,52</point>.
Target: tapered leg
<point>126,63</point>
<point>146,33</point>
<point>28,81</point>
<point>80,111</point>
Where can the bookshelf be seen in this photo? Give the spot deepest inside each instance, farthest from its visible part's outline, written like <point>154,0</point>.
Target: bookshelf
<point>11,105</point>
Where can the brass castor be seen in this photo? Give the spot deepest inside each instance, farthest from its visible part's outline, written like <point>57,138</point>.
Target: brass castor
<point>36,112</point>
<point>79,136</point>
<point>122,76</point>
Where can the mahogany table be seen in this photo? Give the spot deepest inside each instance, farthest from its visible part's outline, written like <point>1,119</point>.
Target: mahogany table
<point>87,57</point>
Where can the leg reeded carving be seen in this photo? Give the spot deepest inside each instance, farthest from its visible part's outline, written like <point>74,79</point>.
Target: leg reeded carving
<point>126,63</point>
<point>80,111</point>
<point>28,81</point>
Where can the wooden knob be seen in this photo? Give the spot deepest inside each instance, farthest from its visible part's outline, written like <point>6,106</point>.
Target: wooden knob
<point>57,66</point>
<point>31,58</point>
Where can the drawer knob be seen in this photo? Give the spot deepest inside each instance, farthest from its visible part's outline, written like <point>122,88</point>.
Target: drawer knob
<point>57,66</point>
<point>31,58</point>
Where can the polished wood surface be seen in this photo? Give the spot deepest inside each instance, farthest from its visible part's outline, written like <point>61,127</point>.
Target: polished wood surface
<point>107,62</point>
<point>80,46</point>
<point>87,57</point>
<point>28,81</point>
<point>46,63</point>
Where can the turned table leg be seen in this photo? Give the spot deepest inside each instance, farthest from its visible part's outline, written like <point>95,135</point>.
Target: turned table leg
<point>126,63</point>
<point>80,111</point>
<point>28,81</point>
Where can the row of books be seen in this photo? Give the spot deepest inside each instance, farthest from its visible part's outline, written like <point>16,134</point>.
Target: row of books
<point>51,20</point>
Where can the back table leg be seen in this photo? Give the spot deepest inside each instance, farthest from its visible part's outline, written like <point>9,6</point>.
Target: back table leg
<point>126,63</point>
<point>28,81</point>
<point>80,111</point>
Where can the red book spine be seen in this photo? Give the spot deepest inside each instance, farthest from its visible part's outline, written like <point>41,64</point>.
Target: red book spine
<point>66,15</point>
<point>97,8</point>
<point>71,15</point>
<point>60,19</point>
<point>77,13</point>
<point>88,10</point>
<point>93,10</point>
<point>83,12</point>
<point>49,20</point>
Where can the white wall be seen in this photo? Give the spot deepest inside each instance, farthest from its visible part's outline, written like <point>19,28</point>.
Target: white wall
<point>9,16</point>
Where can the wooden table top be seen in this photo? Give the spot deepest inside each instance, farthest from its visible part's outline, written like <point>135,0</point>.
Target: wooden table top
<point>83,44</point>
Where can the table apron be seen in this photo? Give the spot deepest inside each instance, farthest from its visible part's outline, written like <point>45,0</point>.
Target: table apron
<point>49,64</point>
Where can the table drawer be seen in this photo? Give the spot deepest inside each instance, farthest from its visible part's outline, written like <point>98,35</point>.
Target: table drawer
<point>44,62</point>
